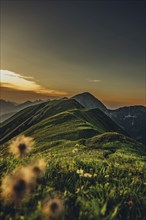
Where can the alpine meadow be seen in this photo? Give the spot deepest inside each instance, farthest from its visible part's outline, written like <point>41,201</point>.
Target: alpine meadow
<point>72,110</point>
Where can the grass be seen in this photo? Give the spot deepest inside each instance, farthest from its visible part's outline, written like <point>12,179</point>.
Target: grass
<point>113,184</point>
<point>117,191</point>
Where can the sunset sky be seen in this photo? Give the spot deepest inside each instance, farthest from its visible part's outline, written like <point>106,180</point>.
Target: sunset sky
<point>61,48</point>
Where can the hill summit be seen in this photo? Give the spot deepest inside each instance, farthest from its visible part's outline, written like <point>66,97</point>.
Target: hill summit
<point>89,101</point>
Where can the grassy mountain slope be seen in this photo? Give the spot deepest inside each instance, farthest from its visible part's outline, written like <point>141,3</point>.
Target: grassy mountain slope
<point>70,110</point>
<point>114,190</point>
<point>114,182</point>
<point>32,115</point>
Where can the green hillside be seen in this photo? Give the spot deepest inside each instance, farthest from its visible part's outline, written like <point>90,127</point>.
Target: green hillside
<point>72,139</point>
<point>32,115</point>
<point>62,113</point>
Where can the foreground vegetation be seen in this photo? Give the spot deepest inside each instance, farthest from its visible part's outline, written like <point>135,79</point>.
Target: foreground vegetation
<point>103,177</point>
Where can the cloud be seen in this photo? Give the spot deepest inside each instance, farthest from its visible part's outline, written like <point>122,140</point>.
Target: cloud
<point>17,81</point>
<point>94,80</point>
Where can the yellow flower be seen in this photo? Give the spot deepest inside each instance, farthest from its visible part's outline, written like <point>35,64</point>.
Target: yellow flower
<point>94,175</point>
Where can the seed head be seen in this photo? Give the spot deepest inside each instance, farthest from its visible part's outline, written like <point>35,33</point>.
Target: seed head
<point>21,146</point>
<point>18,185</point>
<point>53,208</point>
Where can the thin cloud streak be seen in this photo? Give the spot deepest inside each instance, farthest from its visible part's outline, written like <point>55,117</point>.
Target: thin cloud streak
<point>94,80</point>
<point>17,81</point>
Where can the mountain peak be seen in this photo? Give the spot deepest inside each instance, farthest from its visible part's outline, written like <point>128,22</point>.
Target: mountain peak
<point>89,101</point>
<point>85,94</point>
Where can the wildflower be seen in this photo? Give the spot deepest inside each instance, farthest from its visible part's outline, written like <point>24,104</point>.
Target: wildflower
<point>39,167</point>
<point>53,208</point>
<point>80,171</point>
<point>94,175</point>
<point>75,150</point>
<point>21,146</point>
<point>107,176</point>
<point>88,175</point>
<point>18,185</point>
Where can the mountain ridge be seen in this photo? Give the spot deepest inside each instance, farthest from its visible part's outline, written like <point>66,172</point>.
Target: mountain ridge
<point>134,126</point>
<point>89,101</point>
<point>33,115</point>
<point>8,109</point>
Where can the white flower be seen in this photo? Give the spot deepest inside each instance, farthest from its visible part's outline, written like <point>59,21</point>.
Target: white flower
<point>75,150</point>
<point>80,171</point>
<point>87,175</point>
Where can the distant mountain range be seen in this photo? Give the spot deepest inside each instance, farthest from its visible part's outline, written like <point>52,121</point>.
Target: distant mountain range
<point>7,108</point>
<point>132,119</point>
<point>82,109</point>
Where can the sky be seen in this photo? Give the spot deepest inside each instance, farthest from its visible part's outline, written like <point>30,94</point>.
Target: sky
<point>61,48</point>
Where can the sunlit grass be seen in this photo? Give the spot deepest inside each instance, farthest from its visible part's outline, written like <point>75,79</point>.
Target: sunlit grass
<point>114,189</point>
